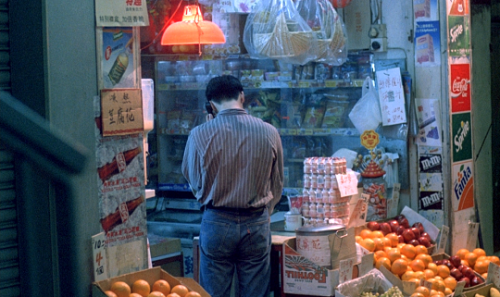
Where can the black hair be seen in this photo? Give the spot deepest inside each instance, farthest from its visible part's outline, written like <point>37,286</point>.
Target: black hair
<point>223,88</point>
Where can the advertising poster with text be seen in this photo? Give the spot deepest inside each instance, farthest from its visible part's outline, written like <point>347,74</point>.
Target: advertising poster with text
<point>462,185</point>
<point>427,44</point>
<point>460,87</point>
<point>118,69</point>
<point>458,28</point>
<point>461,136</point>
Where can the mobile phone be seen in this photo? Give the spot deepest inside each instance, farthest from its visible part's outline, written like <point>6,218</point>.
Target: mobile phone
<point>209,108</point>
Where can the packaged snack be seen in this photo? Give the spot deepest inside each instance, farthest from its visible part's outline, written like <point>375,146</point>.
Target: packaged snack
<point>174,119</point>
<point>313,117</point>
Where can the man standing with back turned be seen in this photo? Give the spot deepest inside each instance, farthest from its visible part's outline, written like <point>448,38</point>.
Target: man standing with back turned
<point>234,164</point>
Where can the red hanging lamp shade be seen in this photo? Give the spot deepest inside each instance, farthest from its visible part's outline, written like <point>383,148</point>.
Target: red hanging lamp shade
<point>192,30</point>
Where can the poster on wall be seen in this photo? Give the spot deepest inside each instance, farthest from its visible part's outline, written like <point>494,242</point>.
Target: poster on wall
<point>458,27</point>
<point>460,87</point>
<point>429,125</point>
<point>427,43</point>
<point>462,185</point>
<point>117,61</point>
<point>461,136</point>
<point>126,13</point>
<point>425,10</point>
<point>391,96</point>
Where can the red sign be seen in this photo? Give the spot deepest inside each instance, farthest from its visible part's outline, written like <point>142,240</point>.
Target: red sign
<point>460,87</point>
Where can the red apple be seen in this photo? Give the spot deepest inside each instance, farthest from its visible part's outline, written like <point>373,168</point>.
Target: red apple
<point>419,226</point>
<point>438,262</point>
<point>425,234</point>
<point>415,231</point>
<point>460,267</point>
<point>424,241</point>
<point>400,230</point>
<point>385,228</point>
<point>468,272</point>
<point>414,242</point>
<point>475,281</point>
<point>455,272</point>
<point>373,226</point>
<point>404,222</point>
<point>466,280</point>
<point>400,217</point>
<point>448,264</point>
<point>455,260</point>
<point>394,225</point>
<point>408,235</point>
<point>401,239</point>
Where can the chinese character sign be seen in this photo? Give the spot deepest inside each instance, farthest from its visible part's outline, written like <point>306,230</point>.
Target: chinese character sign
<point>121,111</point>
<point>391,96</point>
<point>126,13</point>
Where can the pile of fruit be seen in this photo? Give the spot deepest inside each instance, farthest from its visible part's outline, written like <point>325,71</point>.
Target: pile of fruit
<point>493,293</point>
<point>392,292</point>
<point>400,226</point>
<point>475,260</point>
<point>141,288</point>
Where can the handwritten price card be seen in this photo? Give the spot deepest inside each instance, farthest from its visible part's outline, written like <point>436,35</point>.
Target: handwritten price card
<point>391,96</point>
<point>121,111</point>
<point>348,184</point>
<point>345,270</point>
<point>443,239</point>
<point>493,274</point>
<point>100,261</point>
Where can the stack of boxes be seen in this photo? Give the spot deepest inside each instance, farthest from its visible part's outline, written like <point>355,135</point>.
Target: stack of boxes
<point>321,197</point>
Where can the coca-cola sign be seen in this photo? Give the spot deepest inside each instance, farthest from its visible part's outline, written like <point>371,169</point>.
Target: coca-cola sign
<point>460,87</point>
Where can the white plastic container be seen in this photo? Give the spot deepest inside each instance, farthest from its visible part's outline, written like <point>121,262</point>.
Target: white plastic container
<point>148,104</point>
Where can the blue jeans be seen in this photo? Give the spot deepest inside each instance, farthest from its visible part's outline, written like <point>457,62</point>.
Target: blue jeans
<point>232,240</point>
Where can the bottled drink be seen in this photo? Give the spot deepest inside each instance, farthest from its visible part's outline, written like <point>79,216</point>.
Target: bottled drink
<point>119,67</point>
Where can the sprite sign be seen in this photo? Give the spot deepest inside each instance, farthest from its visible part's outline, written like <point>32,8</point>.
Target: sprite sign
<point>461,137</point>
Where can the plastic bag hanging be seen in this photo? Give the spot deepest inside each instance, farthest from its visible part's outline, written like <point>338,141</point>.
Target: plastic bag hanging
<point>328,28</point>
<point>276,30</point>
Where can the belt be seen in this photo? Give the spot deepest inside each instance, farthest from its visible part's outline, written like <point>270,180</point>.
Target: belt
<point>232,209</point>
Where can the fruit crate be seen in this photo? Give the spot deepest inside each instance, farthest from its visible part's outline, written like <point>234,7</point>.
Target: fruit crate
<point>444,256</point>
<point>150,275</point>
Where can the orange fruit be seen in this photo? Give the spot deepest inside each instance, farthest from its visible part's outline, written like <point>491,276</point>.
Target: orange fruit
<point>365,233</point>
<point>417,265</point>
<point>393,254</point>
<point>141,287</point>
<point>438,285</point>
<point>495,260</point>
<point>383,261</point>
<point>471,259</point>
<point>387,242</point>
<point>432,266</point>
<point>409,251</point>
<point>379,244</point>
<point>193,294</point>
<point>447,291</point>
<point>394,239</point>
<point>136,295</point>
<point>481,266</point>
<point>377,234</point>
<point>421,249</point>
<point>399,266</point>
<point>400,245</point>
<point>462,252</point>
<point>159,294</point>
<point>180,289</point>
<point>450,282</point>
<point>368,244</point>
<point>423,290</point>
<point>161,285</point>
<point>479,252</point>
<point>481,258</point>
<point>419,274</point>
<point>110,293</point>
<point>359,239</point>
<point>443,271</point>
<point>379,254</point>
<point>425,258</point>
<point>173,295</point>
<point>485,275</point>
<point>408,275</point>
<point>464,262</point>
<point>415,280</point>
<point>121,289</point>
<point>429,273</point>
<point>416,294</point>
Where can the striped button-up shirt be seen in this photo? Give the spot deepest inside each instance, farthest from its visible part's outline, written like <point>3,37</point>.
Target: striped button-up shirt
<point>235,160</point>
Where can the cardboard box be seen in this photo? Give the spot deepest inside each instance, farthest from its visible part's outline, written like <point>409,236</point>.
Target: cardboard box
<point>303,277</point>
<point>483,290</point>
<point>150,275</point>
